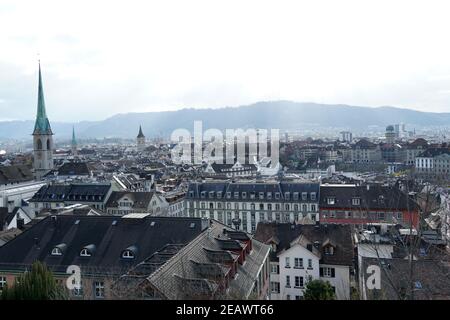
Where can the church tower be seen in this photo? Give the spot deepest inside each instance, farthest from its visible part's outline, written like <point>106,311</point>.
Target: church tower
<point>140,140</point>
<point>42,137</point>
<point>74,144</point>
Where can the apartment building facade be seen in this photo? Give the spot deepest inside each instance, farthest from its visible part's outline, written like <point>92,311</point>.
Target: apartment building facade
<point>243,205</point>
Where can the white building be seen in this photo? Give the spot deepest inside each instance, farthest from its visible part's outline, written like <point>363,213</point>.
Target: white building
<point>308,252</point>
<point>243,205</point>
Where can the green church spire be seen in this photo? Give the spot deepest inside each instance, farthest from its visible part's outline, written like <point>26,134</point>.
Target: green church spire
<point>74,141</point>
<point>42,125</point>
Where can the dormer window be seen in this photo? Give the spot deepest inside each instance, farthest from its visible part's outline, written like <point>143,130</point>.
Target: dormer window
<point>356,201</point>
<point>244,195</point>
<point>261,195</point>
<point>236,195</point>
<point>203,194</point>
<point>87,251</point>
<point>329,250</point>
<point>128,254</point>
<point>59,249</point>
<point>56,252</point>
<point>191,194</point>
<point>287,195</point>
<point>277,195</point>
<point>331,200</point>
<point>219,194</point>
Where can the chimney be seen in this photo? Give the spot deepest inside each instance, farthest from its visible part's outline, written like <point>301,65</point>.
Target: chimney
<point>20,223</point>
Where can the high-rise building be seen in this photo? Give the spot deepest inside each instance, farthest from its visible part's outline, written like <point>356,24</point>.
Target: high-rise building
<point>42,137</point>
<point>140,140</point>
<point>390,134</point>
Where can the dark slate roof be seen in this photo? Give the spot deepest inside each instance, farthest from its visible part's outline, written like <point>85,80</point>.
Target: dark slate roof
<point>109,235</point>
<point>420,142</point>
<point>74,169</point>
<point>364,144</point>
<point>430,279</point>
<point>195,271</point>
<point>72,192</point>
<point>224,167</point>
<point>140,199</point>
<point>249,188</point>
<point>374,197</point>
<point>283,234</point>
<point>13,174</point>
<point>433,152</point>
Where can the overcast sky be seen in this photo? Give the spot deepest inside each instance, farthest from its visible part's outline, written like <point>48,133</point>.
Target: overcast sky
<point>100,58</point>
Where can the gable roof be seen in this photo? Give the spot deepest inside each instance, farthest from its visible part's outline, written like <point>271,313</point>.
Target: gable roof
<point>140,200</point>
<point>286,233</point>
<point>109,235</point>
<point>14,174</point>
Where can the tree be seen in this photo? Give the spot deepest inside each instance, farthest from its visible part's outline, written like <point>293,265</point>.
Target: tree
<point>36,284</point>
<point>319,290</point>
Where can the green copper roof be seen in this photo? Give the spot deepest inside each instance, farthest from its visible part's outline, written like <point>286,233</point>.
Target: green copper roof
<point>42,125</point>
<point>140,135</point>
<point>74,141</point>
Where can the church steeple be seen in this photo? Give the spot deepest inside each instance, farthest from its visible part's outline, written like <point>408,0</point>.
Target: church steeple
<point>74,140</point>
<point>42,137</point>
<point>140,135</point>
<point>42,125</point>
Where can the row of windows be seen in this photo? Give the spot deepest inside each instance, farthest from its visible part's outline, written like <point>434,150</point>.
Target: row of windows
<point>298,263</point>
<point>381,215</point>
<point>260,195</point>
<point>260,206</point>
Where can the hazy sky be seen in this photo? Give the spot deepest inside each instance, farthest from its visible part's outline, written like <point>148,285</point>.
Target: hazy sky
<point>100,58</point>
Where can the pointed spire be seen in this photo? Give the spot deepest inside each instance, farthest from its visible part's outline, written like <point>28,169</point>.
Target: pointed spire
<point>140,135</point>
<point>42,125</point>
<point>74,140</point>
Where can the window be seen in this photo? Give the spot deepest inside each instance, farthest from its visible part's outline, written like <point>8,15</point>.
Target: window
<point>356,201</point>
<point>128,254</point>
<point>313,207</point>
<point>381,215</point>
<point>287,262</point>
<point>327,272</point>
<point>274,268</point>
<point>329,250</point>
<point>3,283</point>
<point>288,297</point>
<point>299,282</point>
<point>331,200</point>
<point>399,215</point>
<point>56,252</point>
<point>298,263</point>
<point>274,287</point>
<point>304,196</point>
<point>313,196</point>
<point>310,266</point>
<point>288,281</point>
<point>99,289</point>
<point>85,253</point>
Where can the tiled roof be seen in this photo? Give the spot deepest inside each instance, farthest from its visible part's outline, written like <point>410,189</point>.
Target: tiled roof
<point>202,264</point>
<point>285,233</point>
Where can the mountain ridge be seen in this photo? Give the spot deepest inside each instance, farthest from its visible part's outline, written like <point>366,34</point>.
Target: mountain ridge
<point>282,114</point>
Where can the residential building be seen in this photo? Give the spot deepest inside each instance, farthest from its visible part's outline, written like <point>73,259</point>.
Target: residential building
<point>60,195</point>
<point>301,253</point>
<point>125,202</point>
<point>243,205</point>
<point>365,152</point>
<point>367,205</point>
